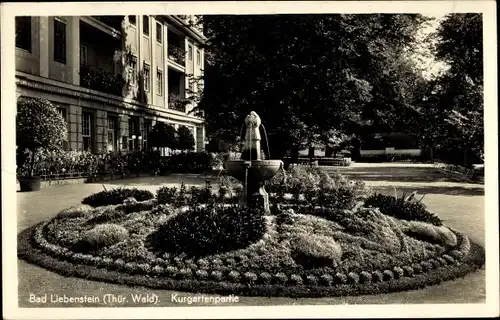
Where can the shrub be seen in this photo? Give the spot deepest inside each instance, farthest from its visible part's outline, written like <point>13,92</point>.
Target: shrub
<point>39,125</point>
<point>365,277</point>
<point>205,230</point>
<point>377,276</point>
<point>265,277</point>
<point>402,209</point>
<point>102,236</point>
<point>430,233</point>
<point>75,211</point>
<point>166,195</point>
<point>216,275</point>
<point>116,196</point>
<point>313,251</point>
<point>353,277</point>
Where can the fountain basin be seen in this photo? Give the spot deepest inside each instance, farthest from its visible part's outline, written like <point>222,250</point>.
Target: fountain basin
<point>258,171</point>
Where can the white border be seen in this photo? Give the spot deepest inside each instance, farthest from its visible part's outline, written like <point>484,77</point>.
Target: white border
<point>9,230</point>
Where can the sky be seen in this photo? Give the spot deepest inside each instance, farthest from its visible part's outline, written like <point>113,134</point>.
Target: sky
<point>425,60</point>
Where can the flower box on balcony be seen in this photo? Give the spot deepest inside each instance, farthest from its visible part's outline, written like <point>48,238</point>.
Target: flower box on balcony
<point>100,80</point>
<point>177,54</point>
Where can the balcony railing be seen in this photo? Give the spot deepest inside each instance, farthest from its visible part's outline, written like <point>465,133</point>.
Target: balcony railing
<point>176,102</point>
<point>112,21</point>
<point>100,80</point>
<point>177,54</point>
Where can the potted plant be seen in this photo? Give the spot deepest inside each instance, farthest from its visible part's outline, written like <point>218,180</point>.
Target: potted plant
<point>39,127</point>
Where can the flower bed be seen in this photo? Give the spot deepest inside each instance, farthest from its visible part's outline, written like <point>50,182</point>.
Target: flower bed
<point>191,239</point>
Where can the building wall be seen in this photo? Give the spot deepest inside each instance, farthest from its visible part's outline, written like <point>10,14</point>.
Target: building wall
<point>147,50</point>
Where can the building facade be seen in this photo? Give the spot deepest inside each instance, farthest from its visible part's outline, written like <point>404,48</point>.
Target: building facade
<point>113,77</point>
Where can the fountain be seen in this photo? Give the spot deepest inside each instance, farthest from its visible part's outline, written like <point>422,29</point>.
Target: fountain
<point>252,170</point>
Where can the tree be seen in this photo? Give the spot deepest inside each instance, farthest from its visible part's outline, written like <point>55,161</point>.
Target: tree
<point>163,135</point>
<point>185,140</point>
<point>303,74</point>
<point>39,126</point>
<point>458,93</point>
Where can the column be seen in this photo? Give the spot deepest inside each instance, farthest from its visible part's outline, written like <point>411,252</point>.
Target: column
<point>75,120</point>
<point>140,56</point>
<point>141,132</point>
<point>123,133</point>
<point>200,139</point>
<point>44,46</point>
<point>73,41</point>
<point>152,45</point>
<point>101,131</point>
<point>165,63</point>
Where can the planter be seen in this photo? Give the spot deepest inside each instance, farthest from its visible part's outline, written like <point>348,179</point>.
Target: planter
<point>29,183</point>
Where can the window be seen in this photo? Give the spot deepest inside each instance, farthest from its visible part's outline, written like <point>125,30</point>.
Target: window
<point>112,127</point>
<point>132,71</point>
<point>132,20</point>
<point>159,32</point>
<point>87,131</point>
<point>146,78</point>
<point>198,57</point>
<point>190,52</point>
<point>145,25</point>
<point>159,82</point>
<point>83,55</point>
<point>23,33</point>
<point>59,41</point>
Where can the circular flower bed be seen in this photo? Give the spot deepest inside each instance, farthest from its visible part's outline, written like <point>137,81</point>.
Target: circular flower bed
<point>180,243</point>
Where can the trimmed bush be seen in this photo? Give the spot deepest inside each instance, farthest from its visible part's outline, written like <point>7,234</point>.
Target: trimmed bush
<point>314,251</point>
<point>116,196</point>
<point>80,210</point>
<point>103,235</point>
<point>207,230</point>
<point>402,209</point>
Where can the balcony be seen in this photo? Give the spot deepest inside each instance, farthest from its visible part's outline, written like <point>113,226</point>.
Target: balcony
<point>100,80</point>
<point>177,102</point>
<point>176,51</point>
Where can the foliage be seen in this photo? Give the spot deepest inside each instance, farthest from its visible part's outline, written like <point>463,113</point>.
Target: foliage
<point>431,233</point>
<point>185,139</point>
<point>100,80</point>
<point>254,62</point>
<point>177,102</point>
<point>75,211</point>
<point>314,251</point>
<point>163,135</point>
<point>166,195</point>
<point>38,126</point>
<point>402,209</point>
<point>192,162</point>
<point>116,196</point>
<point>177,53</point>
<point>452,117</point>
<point>103,235</point>
<point>318,187</point>
<point>205,230</point>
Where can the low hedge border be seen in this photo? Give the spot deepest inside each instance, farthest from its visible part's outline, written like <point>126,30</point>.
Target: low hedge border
<point>32,247</point>
<point>462,249</point>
